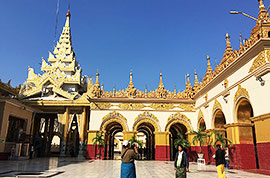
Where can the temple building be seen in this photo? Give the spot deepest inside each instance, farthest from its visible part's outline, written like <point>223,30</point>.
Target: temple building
<point>68,110</point>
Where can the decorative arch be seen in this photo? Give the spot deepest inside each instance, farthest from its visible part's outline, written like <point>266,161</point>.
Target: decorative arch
<point>148,118</point>
<point>178,118</point>
<point>241,93</point>
<point>200,119</point>
<point>114,117</point>
<point>200,114</point>
<point>201,122</point>
<point>216,106</point>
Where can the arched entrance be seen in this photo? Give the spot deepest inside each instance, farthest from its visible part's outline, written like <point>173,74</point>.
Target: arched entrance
<point>175,129</point>
<point>177,123</point>
<point>244,112</point>
<point>113,125</point>
<point>149,132</point>
<point>113,139</point>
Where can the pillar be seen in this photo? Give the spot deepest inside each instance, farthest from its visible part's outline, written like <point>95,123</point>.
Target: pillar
<point>64,142</point>
<point>242,152</point>
<point>262,125</point>
<point>91,149</point>
<point>82,132</point>
<point>129,134</point>
<point>162,149</point>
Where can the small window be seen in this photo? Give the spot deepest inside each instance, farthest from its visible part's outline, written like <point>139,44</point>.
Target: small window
<point>258,36</point>
<point>269,34</point>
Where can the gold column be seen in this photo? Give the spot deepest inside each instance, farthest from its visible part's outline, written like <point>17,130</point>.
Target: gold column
<point>91,134</point>
<point>162,138</point>
<point>66,123</point>
<point>129,134</point>
<point>82,129</point>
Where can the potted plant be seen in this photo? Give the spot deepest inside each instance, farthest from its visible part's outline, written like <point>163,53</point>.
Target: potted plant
<point>181,140</point>
<point>200,136</point>
<point>99,141</point>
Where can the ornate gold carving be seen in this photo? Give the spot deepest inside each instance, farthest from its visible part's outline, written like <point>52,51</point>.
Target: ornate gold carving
<point>200,114</point>
<point>241,92</point>
<point>162,106</point>
<point>260,60</point>
<point>62,60</point>
<point>226,83</point>
<point>148,118</point>
<point>100,105</point>
<point>206,97</point>
<point>114,117</point>
<point>187,107</point>
<point>131,106</point>
<point>216,106</point>
<point>178,118</point>
<point>146,115</point>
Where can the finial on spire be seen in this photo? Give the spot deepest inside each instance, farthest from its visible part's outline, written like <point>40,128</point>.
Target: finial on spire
<point>160,81</point>
<point>68,15</point>
<point>130,79</point>
<point>196,81</point>
<point>228,49</point>
<point>209,68</point>
<point>97,80</point>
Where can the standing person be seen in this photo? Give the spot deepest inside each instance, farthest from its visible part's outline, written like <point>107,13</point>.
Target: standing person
<point>220,161</point>
<point>128,156</point>
<point>181,163</point>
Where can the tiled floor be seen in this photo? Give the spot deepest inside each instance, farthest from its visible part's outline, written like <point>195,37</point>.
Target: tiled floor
<point>72,167</point>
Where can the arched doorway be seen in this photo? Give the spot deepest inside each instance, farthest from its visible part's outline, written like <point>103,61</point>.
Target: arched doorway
<point>113,139</point>
<point>244,112</point>
<point>148,130</point>
<point>175,129</point>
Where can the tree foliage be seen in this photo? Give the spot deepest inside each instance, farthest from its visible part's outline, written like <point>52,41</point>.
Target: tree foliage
<point>181,141</point>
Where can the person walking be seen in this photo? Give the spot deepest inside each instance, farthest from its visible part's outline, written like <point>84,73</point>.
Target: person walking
<point>220,161</point>
<point>128,156</point>
<point>181,163</point>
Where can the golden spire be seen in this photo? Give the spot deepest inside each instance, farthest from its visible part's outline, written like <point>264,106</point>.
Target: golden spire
<point>196,82</point>
<point>130,80</point>
<point>160,81</point>
<point>228,49</point>
<point>209,68</point>
<point>188,85</point>
<point>97,80</point>
<point>263,15</point>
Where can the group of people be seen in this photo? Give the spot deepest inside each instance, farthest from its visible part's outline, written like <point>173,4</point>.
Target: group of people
<point>181,163</point>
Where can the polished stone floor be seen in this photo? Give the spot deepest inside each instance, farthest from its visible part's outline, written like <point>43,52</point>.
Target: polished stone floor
<point>73,167</point>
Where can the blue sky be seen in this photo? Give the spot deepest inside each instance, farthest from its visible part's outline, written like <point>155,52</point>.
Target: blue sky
<point>117,36</point>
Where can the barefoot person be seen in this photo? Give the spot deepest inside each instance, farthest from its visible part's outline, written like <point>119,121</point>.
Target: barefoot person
<point>220,161</point>
<point>128,156</point>
<point>181,163</point>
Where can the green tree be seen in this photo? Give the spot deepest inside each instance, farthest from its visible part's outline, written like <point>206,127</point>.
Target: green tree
<point>221,139</point>
<point>134,140</point>
<point>181,140</point>
<point>100,142</point>
<point>200,136</point>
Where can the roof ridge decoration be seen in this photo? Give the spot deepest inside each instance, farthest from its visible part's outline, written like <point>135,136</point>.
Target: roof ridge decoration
<point>132,92</point>
<point>62,70</point>
<point>261,30</point>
